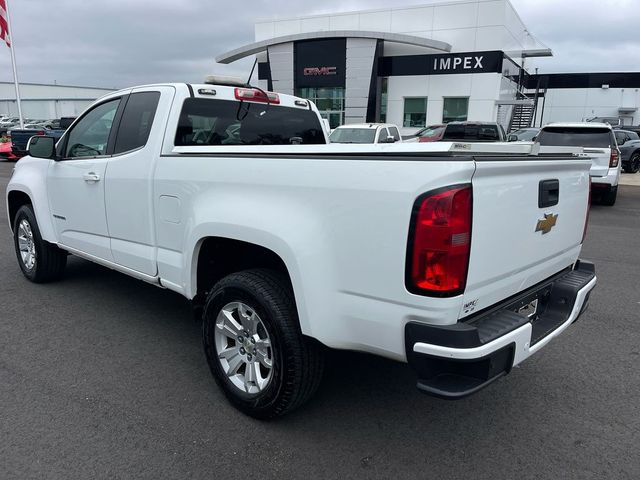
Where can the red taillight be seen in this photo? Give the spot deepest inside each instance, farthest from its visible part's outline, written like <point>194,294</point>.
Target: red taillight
<point>615,158</point>
<point>253,95</point>
<point>440,242</point>
<point>586,219</point>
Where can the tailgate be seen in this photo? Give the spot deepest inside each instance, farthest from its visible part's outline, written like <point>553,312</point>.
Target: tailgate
<point>515,243</point>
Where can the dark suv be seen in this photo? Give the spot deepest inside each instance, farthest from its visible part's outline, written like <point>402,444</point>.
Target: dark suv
<point>629,146</point>
<point>464,131</point>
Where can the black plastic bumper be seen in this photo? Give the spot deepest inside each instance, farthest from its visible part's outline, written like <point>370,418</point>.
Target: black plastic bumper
<point>454,378</point>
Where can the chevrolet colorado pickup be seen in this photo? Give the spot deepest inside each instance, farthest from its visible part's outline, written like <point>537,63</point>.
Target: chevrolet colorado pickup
<point>460,259</point>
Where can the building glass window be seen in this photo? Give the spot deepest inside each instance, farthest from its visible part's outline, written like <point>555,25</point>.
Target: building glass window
<point>329,100</point>
<point>415,112</point>
<point>456,109</point>
<point>383,99</point>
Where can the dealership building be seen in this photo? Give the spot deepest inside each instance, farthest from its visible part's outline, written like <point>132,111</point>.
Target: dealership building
<point>425,65</point>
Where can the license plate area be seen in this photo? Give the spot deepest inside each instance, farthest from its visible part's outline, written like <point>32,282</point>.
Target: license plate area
<point>532,306</point>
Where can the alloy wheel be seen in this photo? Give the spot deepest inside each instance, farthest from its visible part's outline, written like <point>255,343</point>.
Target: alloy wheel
<point>243,348</point>
<point>26,244</point>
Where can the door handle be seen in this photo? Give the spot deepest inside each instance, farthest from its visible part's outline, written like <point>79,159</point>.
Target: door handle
<point>91,177</point>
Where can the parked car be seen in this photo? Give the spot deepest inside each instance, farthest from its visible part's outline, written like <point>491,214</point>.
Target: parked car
<point>599,143</point>
<point>464,131</point>
<point>20,137</point>
<point>9,122</point>
<point>286,246</point>
<point>366,133</point>
<point>629,128</point>
<point>629,145</point>
<point>432,133</point>
<point>523,135</point>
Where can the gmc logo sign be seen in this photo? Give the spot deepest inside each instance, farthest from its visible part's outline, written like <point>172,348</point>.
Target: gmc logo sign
<point>313,71</point>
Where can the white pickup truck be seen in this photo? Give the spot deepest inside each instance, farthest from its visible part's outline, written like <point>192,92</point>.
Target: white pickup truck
<point>460,259</point>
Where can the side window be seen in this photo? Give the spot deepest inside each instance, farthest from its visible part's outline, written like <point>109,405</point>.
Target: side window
<point>395,133</point>
<point>382,135</point>
<point>136,122</point>
<point>89,137</point>
<point>620,138</point>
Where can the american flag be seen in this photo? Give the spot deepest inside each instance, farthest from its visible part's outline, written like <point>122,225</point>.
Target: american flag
<point>4,24</point>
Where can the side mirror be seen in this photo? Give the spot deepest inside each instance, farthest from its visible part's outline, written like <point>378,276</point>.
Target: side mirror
<point>390,139</point>
<point>512,138</point>
<point>41,146</point>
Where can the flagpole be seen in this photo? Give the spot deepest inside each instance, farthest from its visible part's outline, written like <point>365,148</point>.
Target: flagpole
<point>13,64</point>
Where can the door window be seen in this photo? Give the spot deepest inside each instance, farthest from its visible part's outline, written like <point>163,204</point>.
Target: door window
<point>394,133</point>
<point>90,136</point>
<point>382,135</point>
<point>136,122</point>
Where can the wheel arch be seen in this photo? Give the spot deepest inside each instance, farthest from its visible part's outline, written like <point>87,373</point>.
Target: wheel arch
<point>15,200</point>
<point>215,257</point>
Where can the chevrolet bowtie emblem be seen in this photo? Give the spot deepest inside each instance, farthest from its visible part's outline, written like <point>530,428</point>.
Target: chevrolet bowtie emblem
<point>547,223</point>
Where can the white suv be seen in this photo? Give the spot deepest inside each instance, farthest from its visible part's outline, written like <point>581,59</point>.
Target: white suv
<point>599,143</point>
<point>366,133</point>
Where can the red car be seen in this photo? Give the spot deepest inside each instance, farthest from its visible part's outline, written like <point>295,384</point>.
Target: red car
<point>432,133</point>
<point>5,151</point>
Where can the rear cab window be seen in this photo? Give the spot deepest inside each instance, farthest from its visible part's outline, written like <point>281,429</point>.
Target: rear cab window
<point>471,132</point>
<point>228,122</point>
<point>590,137</point>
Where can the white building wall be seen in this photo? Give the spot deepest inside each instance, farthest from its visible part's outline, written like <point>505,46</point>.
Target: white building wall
<point>468,25</point>
<point>360,57</point>
<point>579,104</point>
<point>40,101</point>
<point>481,88</point>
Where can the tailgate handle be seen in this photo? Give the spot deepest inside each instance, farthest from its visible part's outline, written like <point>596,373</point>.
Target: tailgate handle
<point>548,193</point>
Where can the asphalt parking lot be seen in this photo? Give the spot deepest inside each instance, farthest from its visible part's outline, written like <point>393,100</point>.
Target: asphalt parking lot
<point>102,376</point>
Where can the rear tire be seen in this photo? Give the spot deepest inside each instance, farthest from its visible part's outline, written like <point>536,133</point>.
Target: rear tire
<point>40,261</point>
<point>250,324</point>
<point>609,197</point>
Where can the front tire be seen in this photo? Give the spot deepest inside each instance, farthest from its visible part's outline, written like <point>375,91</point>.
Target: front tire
<point>254,345</point>
<point>634,163</point>
<point>40,261</point>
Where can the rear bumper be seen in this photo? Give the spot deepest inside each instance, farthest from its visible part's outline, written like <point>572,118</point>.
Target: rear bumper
<point>457,360</point>
<point>610,179</point>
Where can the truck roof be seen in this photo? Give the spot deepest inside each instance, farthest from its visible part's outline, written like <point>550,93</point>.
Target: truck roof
<point>223,92</point>
<point>578,125</point>
<point>366,125</point>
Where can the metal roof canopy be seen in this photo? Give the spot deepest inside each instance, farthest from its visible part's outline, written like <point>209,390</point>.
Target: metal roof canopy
<point>531,53</point>
<point>257,47</point>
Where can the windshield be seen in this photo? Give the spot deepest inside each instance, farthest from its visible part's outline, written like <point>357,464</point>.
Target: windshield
<point>525,135</point>
<point>430,132</point>
<point>575,137</point>
<point>353,135</point>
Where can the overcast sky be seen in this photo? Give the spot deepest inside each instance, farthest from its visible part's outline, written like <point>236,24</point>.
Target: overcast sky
<point>117,43</point>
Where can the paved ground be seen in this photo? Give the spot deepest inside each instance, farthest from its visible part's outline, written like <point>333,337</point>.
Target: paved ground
<point>102,376</point>
<point>630,179</point>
